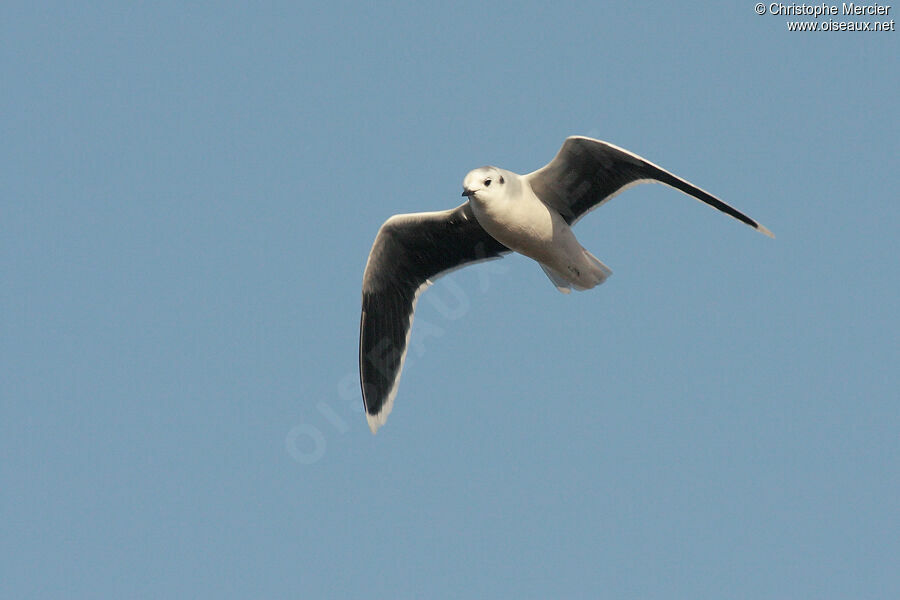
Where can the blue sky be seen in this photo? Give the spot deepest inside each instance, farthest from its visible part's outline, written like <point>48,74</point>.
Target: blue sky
<point>189,194</point>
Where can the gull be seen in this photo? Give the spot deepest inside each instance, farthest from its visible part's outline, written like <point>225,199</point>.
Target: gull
<point>530,214</point>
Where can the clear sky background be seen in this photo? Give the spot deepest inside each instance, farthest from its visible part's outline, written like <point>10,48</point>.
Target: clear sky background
<point>187,200</point>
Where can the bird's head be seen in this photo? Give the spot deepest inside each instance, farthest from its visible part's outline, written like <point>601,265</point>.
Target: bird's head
<point>484,184</point>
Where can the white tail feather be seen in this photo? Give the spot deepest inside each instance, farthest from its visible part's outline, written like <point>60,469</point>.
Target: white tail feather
<point>600,271</point>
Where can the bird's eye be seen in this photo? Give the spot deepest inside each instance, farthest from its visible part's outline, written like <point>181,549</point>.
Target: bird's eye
<point>487,183</point>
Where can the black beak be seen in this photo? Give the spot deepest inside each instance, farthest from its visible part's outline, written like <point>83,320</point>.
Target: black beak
<point>468,193</point>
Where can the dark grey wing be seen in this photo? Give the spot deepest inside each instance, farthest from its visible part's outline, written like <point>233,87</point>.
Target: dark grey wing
<point>409,252</point>
<point>586,172</point>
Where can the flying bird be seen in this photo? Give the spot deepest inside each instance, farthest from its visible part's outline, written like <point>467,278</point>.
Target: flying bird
<point>530,214</point>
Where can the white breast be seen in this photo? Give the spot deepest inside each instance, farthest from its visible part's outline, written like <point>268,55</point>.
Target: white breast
<point>519,220</point>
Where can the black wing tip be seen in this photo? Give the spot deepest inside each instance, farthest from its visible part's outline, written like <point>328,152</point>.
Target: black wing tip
<point>376,415</point>
<point>376,406</point>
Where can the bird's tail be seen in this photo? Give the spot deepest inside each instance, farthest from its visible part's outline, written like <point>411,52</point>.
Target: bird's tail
<point>599,272</point>
<point>592,273</point>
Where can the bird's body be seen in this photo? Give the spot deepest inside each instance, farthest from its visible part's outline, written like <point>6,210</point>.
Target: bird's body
<point>530,214</point>
<point>518,219</point>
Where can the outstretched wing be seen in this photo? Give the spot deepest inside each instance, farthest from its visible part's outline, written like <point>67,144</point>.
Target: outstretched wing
<point>587,172</point>
<point>409,252</point>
